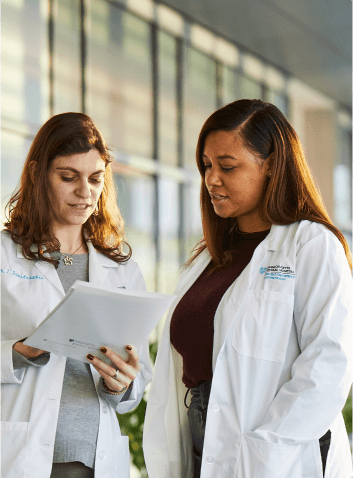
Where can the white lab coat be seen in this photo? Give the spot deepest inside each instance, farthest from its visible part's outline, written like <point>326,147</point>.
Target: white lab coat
<point>30,403</point>
<point>281,367</point>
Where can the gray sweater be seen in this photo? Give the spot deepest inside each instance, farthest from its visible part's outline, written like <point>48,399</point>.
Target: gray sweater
<point>77,429</point>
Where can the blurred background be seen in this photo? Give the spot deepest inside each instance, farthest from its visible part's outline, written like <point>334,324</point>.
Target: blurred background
<point>149,73</point>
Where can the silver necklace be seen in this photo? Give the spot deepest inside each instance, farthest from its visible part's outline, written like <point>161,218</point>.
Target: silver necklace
<point>68,260</point>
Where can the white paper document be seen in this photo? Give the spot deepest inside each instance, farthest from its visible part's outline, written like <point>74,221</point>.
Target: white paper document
<point>90,316</point>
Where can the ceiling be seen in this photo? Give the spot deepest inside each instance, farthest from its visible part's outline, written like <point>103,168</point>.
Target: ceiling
<point>310,39</point>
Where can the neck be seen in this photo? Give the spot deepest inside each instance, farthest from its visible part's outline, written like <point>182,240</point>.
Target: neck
<point>70,238</point>
<point>252,224</point>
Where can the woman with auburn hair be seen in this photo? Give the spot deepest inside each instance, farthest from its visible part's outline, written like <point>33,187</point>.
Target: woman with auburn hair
<point>59,414</point>
<point>258,332</point>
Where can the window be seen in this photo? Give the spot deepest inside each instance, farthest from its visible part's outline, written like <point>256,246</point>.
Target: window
<point>119,77</point>
<point>199,99</point>
<point>167,108</point>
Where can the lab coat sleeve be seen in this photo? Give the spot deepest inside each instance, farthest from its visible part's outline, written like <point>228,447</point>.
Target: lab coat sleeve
<point>306,406</point>
<point>112,399</point>
<point>144,376</point>
<point>8,373</point>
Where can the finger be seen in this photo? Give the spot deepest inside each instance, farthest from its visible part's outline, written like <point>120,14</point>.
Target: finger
<point>113,384</point>
<point>133,357</point>
<point>99,365</point>
<point>119,363</point>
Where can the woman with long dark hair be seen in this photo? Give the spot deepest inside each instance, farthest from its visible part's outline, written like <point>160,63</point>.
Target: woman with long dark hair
<point>258,334</point>
<point>58,414</point>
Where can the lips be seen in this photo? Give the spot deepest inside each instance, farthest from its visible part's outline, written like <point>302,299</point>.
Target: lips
<point>80,206</point>
<point>217,196</point>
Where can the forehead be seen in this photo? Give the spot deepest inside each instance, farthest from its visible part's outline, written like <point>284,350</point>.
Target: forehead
<point>90,161</point>
<point>223,140</point>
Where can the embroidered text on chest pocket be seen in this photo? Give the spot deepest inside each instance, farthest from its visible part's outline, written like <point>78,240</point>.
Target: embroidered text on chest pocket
<point>262,325</point>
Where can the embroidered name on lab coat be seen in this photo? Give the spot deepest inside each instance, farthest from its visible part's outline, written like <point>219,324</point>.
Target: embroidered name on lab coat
<point>20,276</point>
<point>277,272</point>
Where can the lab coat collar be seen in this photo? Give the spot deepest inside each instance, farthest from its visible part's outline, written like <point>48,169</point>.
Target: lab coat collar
<point>99,265</point>
<point>277,237</point>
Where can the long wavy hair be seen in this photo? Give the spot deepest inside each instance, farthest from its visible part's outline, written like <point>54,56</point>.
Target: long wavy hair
<point>290,194</point>
<point>27,212</point>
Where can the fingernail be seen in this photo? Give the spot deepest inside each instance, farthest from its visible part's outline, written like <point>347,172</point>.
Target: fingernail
<point>103,349</point>
<point>90,357</point>
<point>128,347</point>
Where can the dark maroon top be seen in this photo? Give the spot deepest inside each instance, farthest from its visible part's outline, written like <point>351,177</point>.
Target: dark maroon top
<point>191,327</point>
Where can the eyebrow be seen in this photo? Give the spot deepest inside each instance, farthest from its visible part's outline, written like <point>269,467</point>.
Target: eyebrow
<point>75,170</point>
<point>225,156</point>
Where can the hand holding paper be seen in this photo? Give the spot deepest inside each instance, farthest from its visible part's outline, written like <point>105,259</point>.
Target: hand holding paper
<point>90,316</point>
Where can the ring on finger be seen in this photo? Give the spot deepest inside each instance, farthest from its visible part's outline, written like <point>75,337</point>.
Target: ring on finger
<point>115,376</point>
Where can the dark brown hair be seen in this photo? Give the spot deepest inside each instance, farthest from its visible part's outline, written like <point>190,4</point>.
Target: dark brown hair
<point>28,213</point>
<point>290,195</point>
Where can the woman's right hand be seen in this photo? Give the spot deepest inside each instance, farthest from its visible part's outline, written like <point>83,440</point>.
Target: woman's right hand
<point>26,351</point>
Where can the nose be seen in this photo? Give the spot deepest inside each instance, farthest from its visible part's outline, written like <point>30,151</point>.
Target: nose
<point>83,189</point>
<point>212,177</point>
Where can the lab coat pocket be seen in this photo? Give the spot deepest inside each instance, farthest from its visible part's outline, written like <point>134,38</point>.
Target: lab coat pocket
<point>122,456</point>
<point>13,449</point>
<point>262,459</point>
<point>262,325</point>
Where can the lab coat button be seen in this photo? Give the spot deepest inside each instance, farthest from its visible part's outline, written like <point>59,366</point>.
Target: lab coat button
<point>215,407</point>
<point>102,455</point>
<point>105,409</point>
<point>210,459</point>
<point>220,355</point>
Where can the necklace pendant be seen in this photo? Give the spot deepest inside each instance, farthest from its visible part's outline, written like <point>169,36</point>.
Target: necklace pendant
<point>68,261</point>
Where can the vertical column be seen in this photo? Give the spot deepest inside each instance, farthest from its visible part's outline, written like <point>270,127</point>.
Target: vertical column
<point>180,127</point>
<point>83,55</point>
<point>219,85</point>
<point>51,56</point>
<point>155,119</point>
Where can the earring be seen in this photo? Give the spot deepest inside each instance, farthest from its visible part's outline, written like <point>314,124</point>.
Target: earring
<point>96,210</point>
<point>269,174</point>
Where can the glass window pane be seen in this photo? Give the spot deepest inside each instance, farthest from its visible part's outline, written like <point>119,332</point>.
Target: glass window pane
<point>230,86</point>
<point>67,56</point>
<point>136,203</point>
<point>119,78</point>
<point>14,149</point>
<point>168,267</point>
<point>199,99</point>
<point>250,89</point>
<point>277,100</point>
<point>192,219</point>
<point>168,113</point>
<point>24,62</point>
<point>342,182</point>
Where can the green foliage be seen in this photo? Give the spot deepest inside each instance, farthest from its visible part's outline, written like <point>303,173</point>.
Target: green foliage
<point>347,414</point>
<point>131,424</point>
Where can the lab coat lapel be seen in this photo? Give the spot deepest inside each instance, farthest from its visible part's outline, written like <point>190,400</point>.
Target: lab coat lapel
<point>46,269</point>
<point>235,295</point>
<point>97,272</point>
<point>49,272</point>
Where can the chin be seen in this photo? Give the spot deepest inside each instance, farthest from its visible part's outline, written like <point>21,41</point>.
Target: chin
<point>224,214</point>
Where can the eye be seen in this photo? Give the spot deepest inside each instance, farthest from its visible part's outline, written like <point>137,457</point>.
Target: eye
<point>96,180</point>
<point>228,169</point>
<point>67,178</point>
<point>206,165</point>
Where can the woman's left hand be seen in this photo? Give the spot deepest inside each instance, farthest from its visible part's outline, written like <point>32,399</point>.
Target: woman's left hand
<point>119,374</point>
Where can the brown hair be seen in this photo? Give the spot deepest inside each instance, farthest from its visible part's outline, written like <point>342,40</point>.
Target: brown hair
<point>28,212</point>
<point>291,194</point>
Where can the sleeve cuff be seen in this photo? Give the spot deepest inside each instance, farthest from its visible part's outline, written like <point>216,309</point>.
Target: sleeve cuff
<point>113,400</point>
<point>19,361</point>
